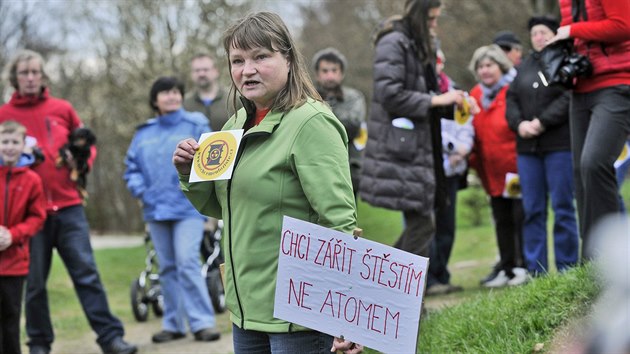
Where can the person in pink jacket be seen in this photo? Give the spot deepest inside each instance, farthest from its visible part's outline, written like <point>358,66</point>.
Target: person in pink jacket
<point>494,157</point>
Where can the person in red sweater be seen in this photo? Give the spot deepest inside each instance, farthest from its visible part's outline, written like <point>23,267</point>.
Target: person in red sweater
<point>600,105</point>
<point>493,157</point>
<point>22,214</point>
<point>48,122</point>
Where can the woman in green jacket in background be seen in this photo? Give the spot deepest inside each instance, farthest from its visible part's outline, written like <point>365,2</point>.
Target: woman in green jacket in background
<point>292,161</point>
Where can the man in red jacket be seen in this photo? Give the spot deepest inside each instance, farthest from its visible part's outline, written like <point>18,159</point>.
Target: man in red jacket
<point>600,104</point>
<point>48,122</point>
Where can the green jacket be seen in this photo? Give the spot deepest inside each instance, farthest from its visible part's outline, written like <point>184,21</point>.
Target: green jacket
<point>293,164</point>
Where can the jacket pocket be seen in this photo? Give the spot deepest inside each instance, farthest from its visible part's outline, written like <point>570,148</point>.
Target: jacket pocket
<point>402,143</point>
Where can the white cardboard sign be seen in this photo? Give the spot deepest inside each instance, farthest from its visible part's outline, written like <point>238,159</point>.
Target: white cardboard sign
<point>365,291</point>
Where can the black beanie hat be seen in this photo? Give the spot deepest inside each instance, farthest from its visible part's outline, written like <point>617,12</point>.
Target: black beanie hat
<point>506,38</point>
<point>548,21</point>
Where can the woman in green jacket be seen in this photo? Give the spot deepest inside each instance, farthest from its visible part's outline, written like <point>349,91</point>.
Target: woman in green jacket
<point>292,161</point>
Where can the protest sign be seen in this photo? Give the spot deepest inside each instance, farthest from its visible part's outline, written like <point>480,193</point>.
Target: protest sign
<point>365,291</point>
<point>216,156</point>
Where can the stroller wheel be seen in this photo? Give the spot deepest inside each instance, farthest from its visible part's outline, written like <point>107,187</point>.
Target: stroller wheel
<point>139,302</point>
<point>158,305</point>
<point>215,288</point>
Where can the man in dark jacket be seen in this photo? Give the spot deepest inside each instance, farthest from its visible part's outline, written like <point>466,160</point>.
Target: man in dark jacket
<point>539,115</point>
<point>207,96</point>
<point>347,103</point>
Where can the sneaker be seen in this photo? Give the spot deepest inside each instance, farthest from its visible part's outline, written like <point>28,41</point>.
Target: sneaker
<point>454,288</point>
<point>520,277</point>
<point>499,281</point>
<point>207,335</point>
<point>493,274</point>
<point>437,289</point>
<point>442,289</point>
<point>166,336</point>
<point>119,346</point>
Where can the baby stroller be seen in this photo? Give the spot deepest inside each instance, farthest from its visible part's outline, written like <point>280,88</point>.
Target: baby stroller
<point>213,255</point>
<point>146,291</point>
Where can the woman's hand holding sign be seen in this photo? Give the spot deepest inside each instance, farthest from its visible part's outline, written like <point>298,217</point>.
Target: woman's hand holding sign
<point>346,346</point>
<point>183,155</point>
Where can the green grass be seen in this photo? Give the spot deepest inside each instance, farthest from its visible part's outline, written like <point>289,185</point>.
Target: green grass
<point>118,267</point>
<point>500,321</point>
<point>510,320</point>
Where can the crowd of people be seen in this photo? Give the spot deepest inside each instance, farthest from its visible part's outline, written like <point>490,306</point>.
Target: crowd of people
<point>310,148</point>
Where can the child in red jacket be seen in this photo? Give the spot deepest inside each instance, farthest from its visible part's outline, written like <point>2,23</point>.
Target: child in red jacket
<point>22,214</point>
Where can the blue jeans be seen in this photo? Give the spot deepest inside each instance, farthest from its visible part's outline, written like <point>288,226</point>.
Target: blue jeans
<point>68,232</point>
<point>254,342</point>
<point>444,239</point>
<point>600,123</point>
<point>185,292</point>
<point>542,175</point>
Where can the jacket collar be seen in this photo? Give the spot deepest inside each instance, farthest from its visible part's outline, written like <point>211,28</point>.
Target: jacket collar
<point>19,100</point>
<point>171,118</point>
<point>334,94</point>
<point>23,164</point>
<point>197,96</point>
<point>267,126</point>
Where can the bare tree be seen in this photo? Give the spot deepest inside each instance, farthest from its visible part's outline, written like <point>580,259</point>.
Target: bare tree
<point>104,55</point>
<point>545,7</point>
<point>130,45</point>
<point>19,29</point>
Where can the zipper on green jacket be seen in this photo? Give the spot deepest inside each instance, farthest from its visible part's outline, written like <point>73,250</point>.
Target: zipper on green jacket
<point>229,205</point>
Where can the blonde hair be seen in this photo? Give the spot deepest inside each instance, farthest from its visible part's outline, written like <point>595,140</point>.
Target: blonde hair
<point>10,69</point>
<point>267,30</point>
<point>11,126</point>
<point>492,52</point>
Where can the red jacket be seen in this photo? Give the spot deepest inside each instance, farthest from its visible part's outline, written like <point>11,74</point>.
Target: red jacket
<point>49,120</point>
<point>605,39</point>
<point>494,151</point>
<point>23,212</point>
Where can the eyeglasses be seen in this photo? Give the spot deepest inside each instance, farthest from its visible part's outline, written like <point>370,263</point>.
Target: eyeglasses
<point>24,73</point>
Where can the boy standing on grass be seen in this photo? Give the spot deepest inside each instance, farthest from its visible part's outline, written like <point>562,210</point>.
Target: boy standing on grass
<point>22,214</point>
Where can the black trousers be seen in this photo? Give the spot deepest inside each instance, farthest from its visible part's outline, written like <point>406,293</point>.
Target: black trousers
<point>600,124</point>
<point>444,240</point>
<point>418,234</point>
<point>508,218</point>
<point>11,290</point>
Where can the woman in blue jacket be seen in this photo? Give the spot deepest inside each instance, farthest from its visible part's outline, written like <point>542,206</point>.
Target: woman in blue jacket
<point>175,226</point>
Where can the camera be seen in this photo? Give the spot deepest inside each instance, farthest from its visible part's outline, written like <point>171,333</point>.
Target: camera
<point>561,64</point>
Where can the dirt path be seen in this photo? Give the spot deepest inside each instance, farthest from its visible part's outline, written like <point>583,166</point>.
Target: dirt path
<point>140,334</point>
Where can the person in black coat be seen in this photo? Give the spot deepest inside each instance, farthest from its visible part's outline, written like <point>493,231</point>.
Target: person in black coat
<point>539,115</point>
<point>402,167</point>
